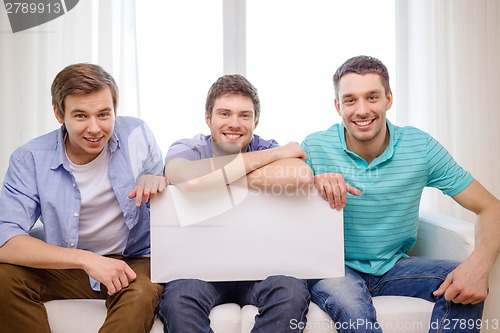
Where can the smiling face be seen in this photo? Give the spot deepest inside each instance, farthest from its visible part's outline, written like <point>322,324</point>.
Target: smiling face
<point>89,120</point>
<point>231,124</point>
<point>362,103</point>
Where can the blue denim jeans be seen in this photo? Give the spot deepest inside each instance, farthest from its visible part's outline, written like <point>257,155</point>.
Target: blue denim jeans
<point>348,300</point>
<point>185,304</point>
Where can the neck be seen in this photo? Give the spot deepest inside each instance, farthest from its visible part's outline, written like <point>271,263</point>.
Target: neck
<point>369,150</point>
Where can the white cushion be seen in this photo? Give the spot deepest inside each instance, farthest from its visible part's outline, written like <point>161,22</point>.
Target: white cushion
<point>226,318</point>
<point>403,314</point>
<point>82,315</point>
<point>396,314</point>
<point>87,316</point>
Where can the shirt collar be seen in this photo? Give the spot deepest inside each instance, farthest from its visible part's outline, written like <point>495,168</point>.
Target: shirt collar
<point>61,159</point>
<point>388,152</point>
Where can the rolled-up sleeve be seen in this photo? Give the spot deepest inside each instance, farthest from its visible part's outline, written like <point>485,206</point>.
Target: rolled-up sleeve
<point>19,201</point>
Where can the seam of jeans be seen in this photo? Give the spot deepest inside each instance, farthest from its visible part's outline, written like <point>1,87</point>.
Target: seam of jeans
<point>440,328</point>
<point>384,281</point>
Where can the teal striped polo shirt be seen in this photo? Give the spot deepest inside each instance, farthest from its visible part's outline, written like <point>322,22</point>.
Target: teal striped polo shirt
<point>381,224</point>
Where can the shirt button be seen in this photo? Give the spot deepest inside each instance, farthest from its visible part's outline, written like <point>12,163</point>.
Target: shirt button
<point>75,214</point>
<point>71,244</point>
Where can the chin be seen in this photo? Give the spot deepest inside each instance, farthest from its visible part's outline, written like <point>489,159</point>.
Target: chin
<point>227,147</point>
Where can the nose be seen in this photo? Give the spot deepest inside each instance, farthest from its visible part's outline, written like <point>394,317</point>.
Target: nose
<point>363,108</point>
<point>234,121</point>
<point>93,126</point>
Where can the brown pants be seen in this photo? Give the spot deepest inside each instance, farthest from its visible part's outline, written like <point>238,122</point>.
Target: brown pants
<point>23,291</point>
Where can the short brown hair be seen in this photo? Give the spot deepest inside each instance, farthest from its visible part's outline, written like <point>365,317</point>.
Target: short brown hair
<point>232,84</point>
<point>362,65</point>
<point>79,79</point>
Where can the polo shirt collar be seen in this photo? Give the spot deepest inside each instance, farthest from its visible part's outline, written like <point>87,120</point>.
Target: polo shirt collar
<point>386,155</point>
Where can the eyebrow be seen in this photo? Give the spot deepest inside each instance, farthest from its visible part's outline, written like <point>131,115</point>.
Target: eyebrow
<point>375,91</point>
<point>229,110</point>
<point>101,110</point>
<point>370,92</point>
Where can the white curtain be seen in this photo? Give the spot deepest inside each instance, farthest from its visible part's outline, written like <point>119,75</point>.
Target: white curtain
<point>448,84</point>
<point>101,32</point>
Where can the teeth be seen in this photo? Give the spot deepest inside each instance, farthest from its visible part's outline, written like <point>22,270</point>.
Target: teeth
<point>232,136</point>
<point>363,123</point>
<point>93,140</point>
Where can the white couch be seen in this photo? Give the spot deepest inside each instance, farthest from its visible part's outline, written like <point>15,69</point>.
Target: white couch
<point>439,237</point>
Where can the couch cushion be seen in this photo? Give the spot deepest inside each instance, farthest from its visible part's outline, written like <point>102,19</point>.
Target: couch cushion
<point>396,315</point>
<point>81,315</point>
<point>226,318</point>
<point>87,316</point>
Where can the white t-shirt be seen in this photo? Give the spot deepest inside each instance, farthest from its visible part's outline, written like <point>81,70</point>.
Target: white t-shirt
<point>102,227</point>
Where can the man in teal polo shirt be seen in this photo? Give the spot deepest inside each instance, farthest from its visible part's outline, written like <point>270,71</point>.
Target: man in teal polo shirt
<point>382,169</point>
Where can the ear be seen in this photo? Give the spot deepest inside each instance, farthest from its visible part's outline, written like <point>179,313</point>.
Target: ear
<point>58,117</point>
<point>337,106</point>
<point>389,99</point>
<point>255,123</point>
<point>208,120</point>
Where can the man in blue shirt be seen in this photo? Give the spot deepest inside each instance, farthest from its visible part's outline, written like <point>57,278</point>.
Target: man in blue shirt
<point>232,112</point>
<point>383,169</point>
<point>76,181</point>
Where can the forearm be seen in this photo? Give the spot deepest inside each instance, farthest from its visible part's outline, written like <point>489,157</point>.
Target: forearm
<point>480,201</point>
<point>28,251</point>
<point>208,172</point>
<point>488,234</point>
<point>288,175</point>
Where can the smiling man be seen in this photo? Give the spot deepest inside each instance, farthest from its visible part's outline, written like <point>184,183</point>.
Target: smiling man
<point>77,180</point>
<point>232,113</point>
<point>392,165</point>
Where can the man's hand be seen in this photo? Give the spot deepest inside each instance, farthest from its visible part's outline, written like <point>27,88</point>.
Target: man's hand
<point>466,284</point>
<point>293,150</point>
<point>113,273</point>
<point>147,187</point>
<point>333,188</point>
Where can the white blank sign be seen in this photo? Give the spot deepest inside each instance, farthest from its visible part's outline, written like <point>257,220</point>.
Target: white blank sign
<point>212,237</point>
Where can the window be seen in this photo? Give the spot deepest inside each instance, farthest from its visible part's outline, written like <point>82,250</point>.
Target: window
<point>292,48</point>
<point>179,51</point>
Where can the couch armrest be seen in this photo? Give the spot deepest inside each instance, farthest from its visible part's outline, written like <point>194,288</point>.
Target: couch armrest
<point>444,237</point>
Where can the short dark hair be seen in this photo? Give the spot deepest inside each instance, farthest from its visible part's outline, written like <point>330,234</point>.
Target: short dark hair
<point>232,84</point>
<point>79,79</point>
<point>362,65</point>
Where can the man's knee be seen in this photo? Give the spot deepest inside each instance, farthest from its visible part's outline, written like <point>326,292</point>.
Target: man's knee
<point>331,292</point>
<point>143,287</point>
<point>179,292</point>
<point>14,279</point>
<point>287,289</point>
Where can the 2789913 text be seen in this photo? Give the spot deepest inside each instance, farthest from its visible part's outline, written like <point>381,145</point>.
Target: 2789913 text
<point>455,324</point>
<point>32,8</point>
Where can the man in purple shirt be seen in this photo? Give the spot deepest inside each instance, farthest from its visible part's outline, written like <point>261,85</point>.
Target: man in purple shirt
<point>232,113</point>
<point>76,181</point>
